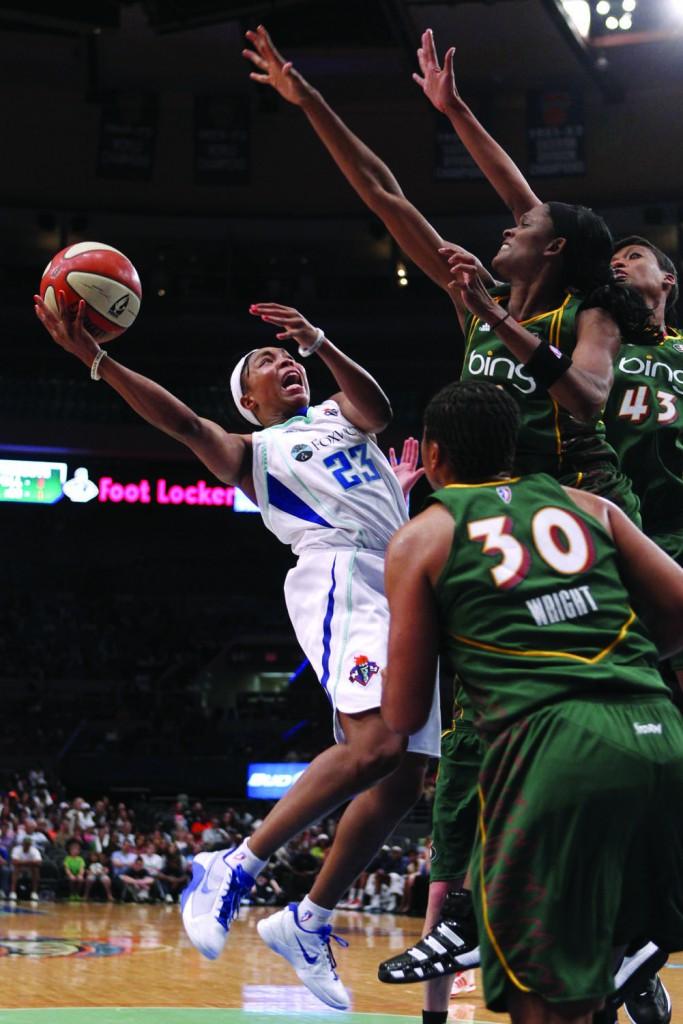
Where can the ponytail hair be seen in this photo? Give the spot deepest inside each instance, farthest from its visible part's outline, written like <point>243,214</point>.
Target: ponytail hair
<point>586,270</point>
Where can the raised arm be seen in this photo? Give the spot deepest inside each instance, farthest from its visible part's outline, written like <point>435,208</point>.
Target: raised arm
<point>585,385</point>
<point>438,85</point>
<point>360,398</point>
<point>415,558</point>
<point>366,173</point>
<point>228,456</point>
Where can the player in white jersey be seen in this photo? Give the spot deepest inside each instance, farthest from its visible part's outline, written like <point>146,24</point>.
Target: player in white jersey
<point>324,487</point>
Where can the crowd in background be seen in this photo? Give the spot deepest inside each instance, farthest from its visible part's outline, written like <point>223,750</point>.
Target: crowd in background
<point>55,846</point>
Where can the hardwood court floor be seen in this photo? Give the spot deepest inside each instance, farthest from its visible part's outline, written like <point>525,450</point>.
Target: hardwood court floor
<point>111,964</point>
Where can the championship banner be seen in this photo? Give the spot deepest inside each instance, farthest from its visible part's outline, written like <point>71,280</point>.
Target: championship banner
<point>452,162</point>
<point>221,140</point>
<point>555,134</point>
<point>128,134</point>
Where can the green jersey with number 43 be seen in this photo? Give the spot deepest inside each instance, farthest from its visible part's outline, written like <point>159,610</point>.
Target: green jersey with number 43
<point>532,607</point>
<point>644,419</point>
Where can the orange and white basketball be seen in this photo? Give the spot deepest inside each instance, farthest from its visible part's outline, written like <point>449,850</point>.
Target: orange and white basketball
<point>100,275</point>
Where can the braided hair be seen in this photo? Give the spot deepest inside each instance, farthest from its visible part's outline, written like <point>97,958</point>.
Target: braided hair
<point>586,269</point>
<point>476,424</point>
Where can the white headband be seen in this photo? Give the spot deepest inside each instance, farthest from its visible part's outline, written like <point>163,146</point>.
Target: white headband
<point>236,389</point>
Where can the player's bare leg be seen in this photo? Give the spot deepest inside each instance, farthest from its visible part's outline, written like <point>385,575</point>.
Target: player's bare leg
<point>369,754</point>
<point>437,991</point>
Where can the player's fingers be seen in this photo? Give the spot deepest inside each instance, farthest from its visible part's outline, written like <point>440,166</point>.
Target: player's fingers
<point>448,62</point>
<point>392,457</point>
<point>287,67</point>
<point>80,316</point>
<point>420,81</point>
<point>268,44</point>
<point>430,48</point>
<point>255,59</point>
<point>259,78</point>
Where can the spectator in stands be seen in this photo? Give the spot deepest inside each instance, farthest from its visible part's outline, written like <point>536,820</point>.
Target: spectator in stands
<point>137,883</point>
<point>5,871</point>
<point>173,875</point>
<point>214,837</point>
<point>74,870</point>
<point>321,845</point>
<point>26,861</point>
<point>153,862</point>
<point>97,876</point>
<point>123,858</point>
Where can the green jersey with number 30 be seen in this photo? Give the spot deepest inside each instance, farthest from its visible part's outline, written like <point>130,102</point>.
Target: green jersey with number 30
<point>644,419</point>
<point>532,607</point>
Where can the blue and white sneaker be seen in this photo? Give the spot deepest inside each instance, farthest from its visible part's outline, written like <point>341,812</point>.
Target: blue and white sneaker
<point>308,952</point>
<point>212,900</point>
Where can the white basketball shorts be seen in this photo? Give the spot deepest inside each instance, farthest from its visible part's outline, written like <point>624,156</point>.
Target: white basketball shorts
<point>337,606</point>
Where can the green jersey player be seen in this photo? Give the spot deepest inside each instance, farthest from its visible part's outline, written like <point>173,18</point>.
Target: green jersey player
<point>528,588</point>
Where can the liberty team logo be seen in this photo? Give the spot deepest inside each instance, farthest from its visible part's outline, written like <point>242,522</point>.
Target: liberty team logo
<point>302,453</point>
<point>505,494</point>
<point>363,670</point>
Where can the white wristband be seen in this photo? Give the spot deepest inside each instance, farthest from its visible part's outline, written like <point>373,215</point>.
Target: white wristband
<point>319,339</point>
<point>94,369</point>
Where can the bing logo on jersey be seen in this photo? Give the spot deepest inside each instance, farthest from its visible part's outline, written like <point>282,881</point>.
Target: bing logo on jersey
<point>505,494</point>
<point>363,670</point>
<point>302,453</point>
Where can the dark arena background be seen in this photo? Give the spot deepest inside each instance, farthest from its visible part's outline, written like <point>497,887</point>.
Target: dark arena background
<point>152,689</point>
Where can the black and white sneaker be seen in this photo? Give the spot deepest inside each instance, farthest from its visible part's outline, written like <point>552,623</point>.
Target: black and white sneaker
<point>452,946</point>
<point>651,1006</point>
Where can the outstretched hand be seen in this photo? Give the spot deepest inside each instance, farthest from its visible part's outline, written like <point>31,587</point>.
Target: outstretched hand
<point>69,332</point>
<point>294,325</point>
<point>273,69</point>
<point>469,289</point>
<point>438,84</point>
<point>405,468</point>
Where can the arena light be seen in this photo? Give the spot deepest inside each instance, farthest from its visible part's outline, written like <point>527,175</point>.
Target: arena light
<point>625,22</point>
<point>611,23</point>
<point>629,5</point>
<point>579,13</point>
<point>604,7</point>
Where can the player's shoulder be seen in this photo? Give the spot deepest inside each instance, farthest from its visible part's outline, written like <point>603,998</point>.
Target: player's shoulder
<point>423,543</point>
<point>599,509</point>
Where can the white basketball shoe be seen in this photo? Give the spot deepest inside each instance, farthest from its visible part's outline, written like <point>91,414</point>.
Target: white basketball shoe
<point>212,900</point>
<point>308,952</point>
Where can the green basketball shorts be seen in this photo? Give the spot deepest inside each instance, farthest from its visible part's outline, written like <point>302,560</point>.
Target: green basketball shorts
<point>579,846</point>
<point>456,804</point>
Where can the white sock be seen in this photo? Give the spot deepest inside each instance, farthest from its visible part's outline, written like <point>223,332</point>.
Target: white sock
<point>311,916</point>
<point>248,861</point>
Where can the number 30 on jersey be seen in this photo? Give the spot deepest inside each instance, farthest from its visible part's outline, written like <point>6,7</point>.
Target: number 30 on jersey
<point>560,538</point>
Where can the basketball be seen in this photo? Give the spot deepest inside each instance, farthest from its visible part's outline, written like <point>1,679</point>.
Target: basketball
<point>100,275</point>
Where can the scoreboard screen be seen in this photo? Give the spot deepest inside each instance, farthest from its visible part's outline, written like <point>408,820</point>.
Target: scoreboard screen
<point>34,482</point>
